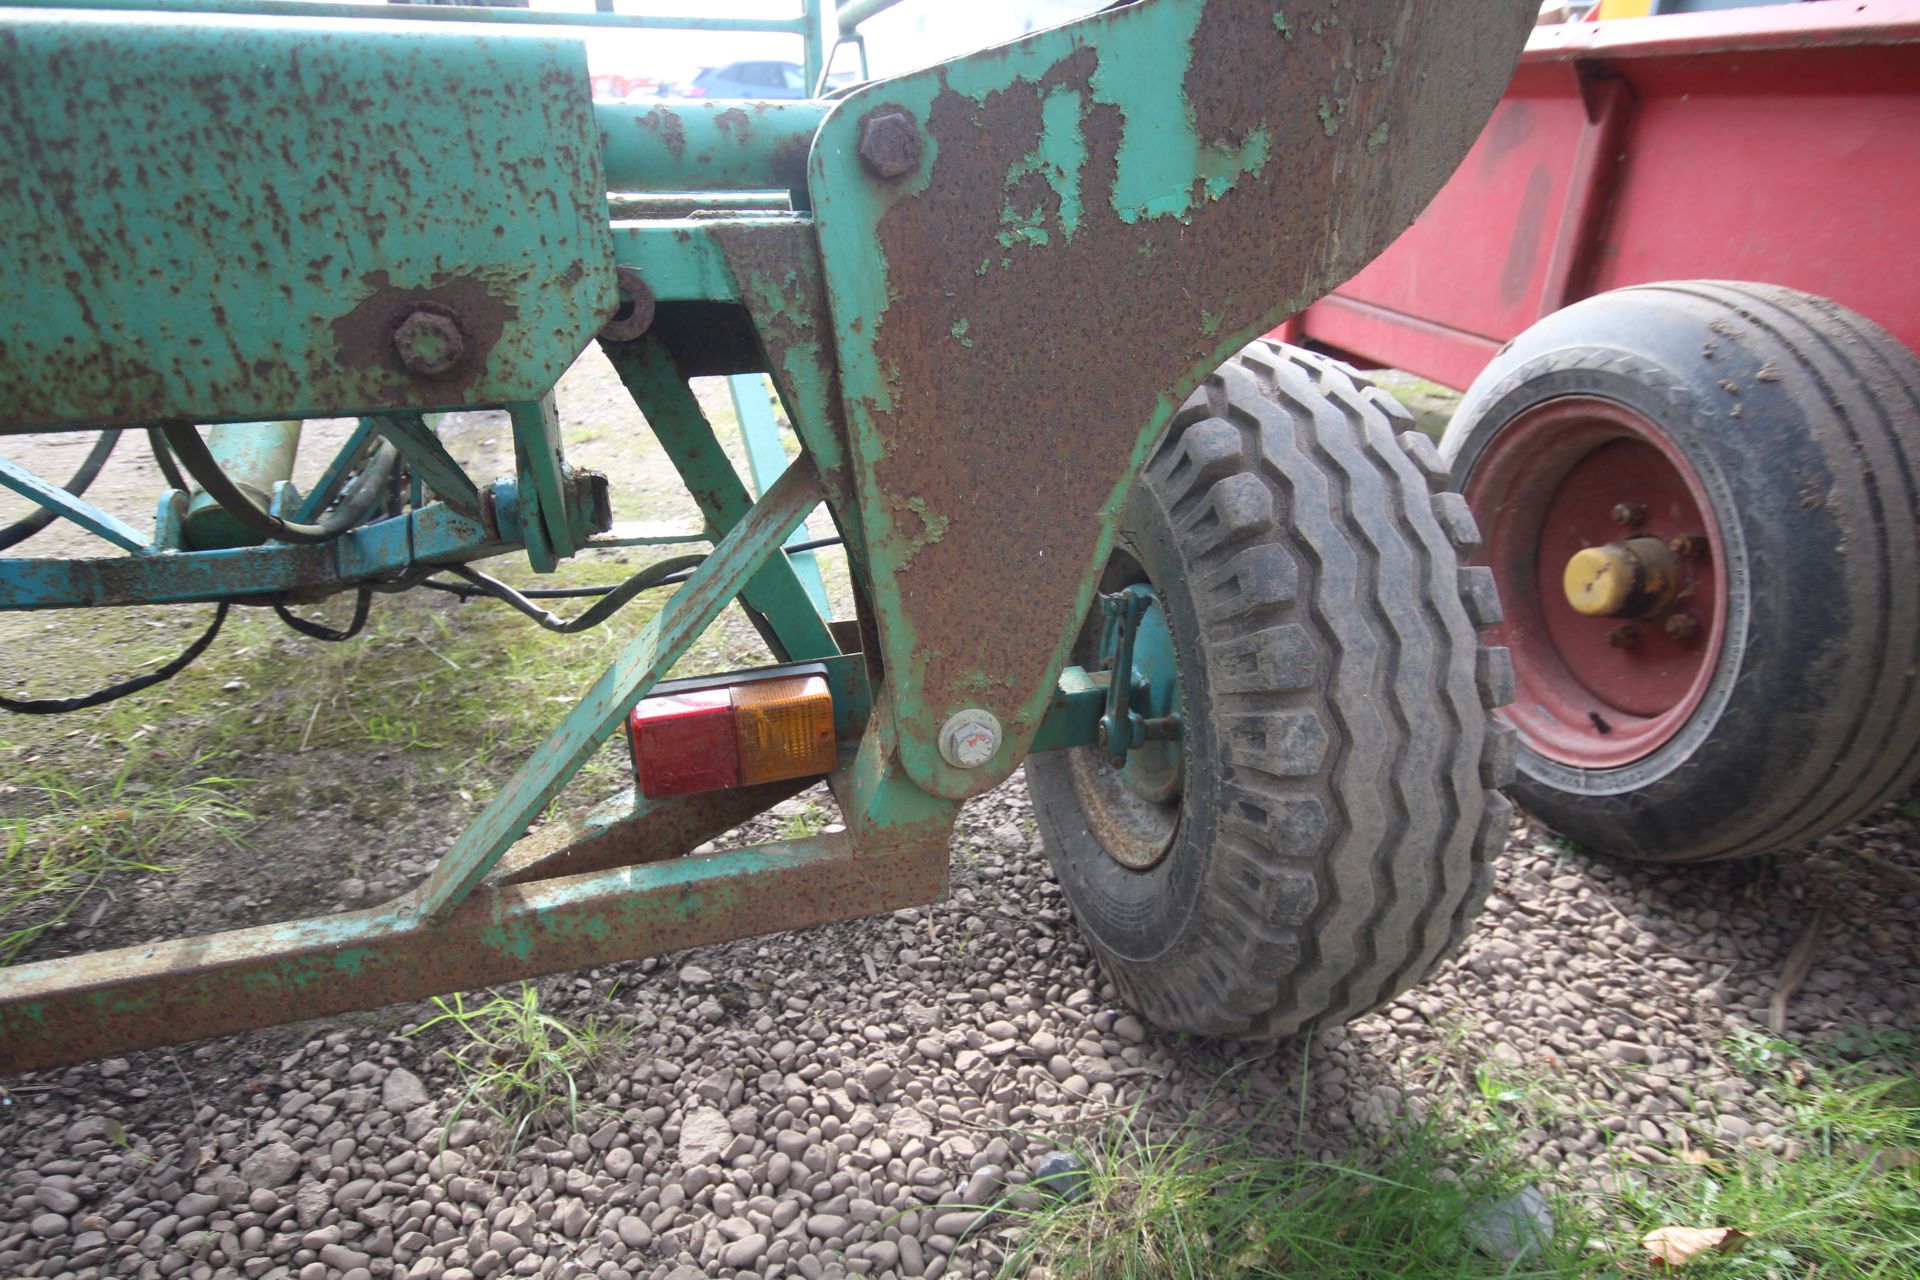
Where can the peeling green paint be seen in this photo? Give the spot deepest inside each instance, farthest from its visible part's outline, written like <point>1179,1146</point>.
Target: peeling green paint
<point>1057,159</point>
<point>1378,138</point>
<point>960,331</point>
<point>1281,24</point>
<point>1209,323</point>
<point>935,522</point>
<point>1332,114</point>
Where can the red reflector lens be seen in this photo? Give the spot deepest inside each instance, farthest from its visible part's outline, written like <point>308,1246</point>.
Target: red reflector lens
<point>683,743</point>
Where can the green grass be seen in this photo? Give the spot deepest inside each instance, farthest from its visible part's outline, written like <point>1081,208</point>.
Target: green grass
<point>1169,1203</point>
<point>69,837</point>
<point>1843,1204</point>
<point>523,1067</point>
<point>1176,1202</point>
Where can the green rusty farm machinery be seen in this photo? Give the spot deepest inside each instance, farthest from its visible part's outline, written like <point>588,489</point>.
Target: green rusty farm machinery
<point>1202,585</point>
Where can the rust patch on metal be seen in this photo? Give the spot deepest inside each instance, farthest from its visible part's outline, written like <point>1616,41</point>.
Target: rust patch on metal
<point>665,123</point>
<point>163,993</point>
<point>777,270</point>
<point>364,337</point>
<point>670,829</point>
<point>1022,372</point>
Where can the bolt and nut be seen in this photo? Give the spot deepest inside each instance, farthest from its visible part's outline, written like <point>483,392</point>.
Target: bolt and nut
<point>429,342</point>
<point>889,143</point>
<point>1630,514</point>
<point>970,737</point>
<point>1683,626</point>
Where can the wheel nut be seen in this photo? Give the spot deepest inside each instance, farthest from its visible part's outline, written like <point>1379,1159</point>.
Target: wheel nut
<point>429,342</point>
<point>1683,626</point>
<point>1630,514</point>
<point>1623,636</point>
<point>1689,545</point>
<point>890,144</point>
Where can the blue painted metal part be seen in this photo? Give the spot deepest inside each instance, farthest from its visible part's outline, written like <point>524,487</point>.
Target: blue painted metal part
<point>766,459</point>
<point>81,512</point>
<point>430,536</point>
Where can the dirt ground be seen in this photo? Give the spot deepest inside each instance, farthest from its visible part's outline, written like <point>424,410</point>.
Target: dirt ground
<point>841,1100</point>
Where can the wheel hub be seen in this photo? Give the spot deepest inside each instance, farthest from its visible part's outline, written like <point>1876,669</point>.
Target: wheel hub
<point>1605,549</point>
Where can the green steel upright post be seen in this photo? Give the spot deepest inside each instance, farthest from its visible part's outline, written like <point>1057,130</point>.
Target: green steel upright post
<point>684,432</point>
<point>766,459</point>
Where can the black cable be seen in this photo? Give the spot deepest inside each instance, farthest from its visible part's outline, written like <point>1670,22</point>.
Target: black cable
<point>114,692</point>
<point>199,462</point>
<point>319,630</point>
<point>163,458</point>
<point>587,593</point>
<point>40,517</point>
<point>651,576</point>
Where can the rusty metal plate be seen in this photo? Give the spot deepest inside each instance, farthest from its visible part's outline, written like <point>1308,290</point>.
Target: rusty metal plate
<point>82,1007</point>
<point>229,217</point>
<point>1096,217</point>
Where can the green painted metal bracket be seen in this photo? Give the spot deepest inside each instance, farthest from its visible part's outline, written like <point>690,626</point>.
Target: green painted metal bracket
<point>544,521</point>
<point>103,524</point>
<point>328,486</point>
<point>1034,253</point>
<point>218,156</point>
<point>680,259</point>
<point>640,665</point>
<point>419,443</point>
<point>684,432</point>
<point>432,535</point>
<point>766,459</point>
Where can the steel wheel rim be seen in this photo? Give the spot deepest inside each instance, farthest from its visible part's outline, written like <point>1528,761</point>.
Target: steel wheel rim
<point>1596,693</point>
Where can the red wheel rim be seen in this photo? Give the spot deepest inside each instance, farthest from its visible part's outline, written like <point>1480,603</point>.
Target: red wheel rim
<point>1546,486</point>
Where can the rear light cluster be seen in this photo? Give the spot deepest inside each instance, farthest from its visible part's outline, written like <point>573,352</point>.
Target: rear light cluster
<point>732,736</point>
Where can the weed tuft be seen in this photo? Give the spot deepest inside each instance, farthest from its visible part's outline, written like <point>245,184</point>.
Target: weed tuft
<point>522,1066</point>
<point>74,836</point>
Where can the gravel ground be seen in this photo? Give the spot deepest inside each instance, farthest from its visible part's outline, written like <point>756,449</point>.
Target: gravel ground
<point>846,1099</point>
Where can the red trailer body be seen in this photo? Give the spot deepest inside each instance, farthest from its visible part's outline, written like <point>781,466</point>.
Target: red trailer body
<point>1777,144</point>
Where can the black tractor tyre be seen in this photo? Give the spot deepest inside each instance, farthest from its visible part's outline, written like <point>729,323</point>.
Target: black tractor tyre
<point>1340,808</point>
<point>1802,421</point>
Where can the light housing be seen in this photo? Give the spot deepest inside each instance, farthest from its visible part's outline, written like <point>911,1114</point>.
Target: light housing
<point>733,734</point>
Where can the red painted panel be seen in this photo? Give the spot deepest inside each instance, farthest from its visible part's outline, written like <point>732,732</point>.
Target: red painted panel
<point>1778,144</point>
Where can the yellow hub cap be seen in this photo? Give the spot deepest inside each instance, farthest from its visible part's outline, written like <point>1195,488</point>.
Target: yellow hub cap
<point>1599,580</point>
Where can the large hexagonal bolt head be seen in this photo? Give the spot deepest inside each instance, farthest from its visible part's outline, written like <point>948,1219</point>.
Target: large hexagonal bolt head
<point>890,144</point>
<point>429,342</point>
<point>970,737</point>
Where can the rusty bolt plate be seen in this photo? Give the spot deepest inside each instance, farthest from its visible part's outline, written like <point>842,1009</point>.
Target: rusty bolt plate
<point>1683,626</point>
<point>1622,636</point>
<point>1689,545</point>
<point>1630,514</point>
<point>635,315</point>
<point>890,144</point>
<point>429,342</point>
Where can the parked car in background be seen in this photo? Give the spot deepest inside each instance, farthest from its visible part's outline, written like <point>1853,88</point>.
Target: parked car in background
<point>743,80</point>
